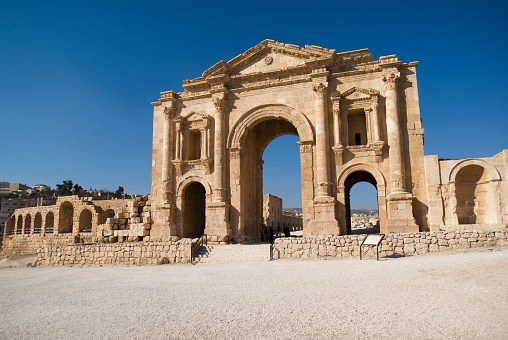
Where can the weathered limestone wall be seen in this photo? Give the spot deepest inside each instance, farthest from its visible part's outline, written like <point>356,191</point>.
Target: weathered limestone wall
<point>27,244</point>
<point>394,243</point>
<point>117,253</point>
<point>467,191</point>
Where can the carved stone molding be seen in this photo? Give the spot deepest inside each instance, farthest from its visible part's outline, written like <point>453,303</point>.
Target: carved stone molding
<point>390,80</point>
<point>339,154</point>
<point>320,90</point>
<point>235,153</point>
<point>305,146</point>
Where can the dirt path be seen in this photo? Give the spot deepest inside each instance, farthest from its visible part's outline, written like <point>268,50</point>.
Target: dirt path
<point>447,295</point>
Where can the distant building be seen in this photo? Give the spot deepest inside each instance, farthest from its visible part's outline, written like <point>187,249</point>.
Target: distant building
<point>277,218</point>
<point>41,187</point>
<point>6,187</point>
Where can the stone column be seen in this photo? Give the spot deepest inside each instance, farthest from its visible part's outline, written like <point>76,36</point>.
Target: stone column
<point>219,103</point>
<point>375,119</point>
<point>336,123</point>
<point>166,153</point>
<point>400,202</point>
<point>397,178</point>
<point>323,164</point>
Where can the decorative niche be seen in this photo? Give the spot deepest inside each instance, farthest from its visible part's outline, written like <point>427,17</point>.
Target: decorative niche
<point>192,151</point>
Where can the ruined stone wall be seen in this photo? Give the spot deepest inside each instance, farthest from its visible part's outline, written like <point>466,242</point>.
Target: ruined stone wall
<point>118,253</point>
<point>27,244</point>
<point>76,219</point>
<point>322,246</point>
<point>467,191</point>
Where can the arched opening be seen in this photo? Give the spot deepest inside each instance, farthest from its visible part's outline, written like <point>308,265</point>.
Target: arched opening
<point>473,195</point>
<point>194,210</point>
<point>254,142</point>
<point>10,226</point>
<point>282,179</point>
<point>66,218</point>
<point>85,221</point>
<point>37,223</point>
<point>28,224</point>
<point>103,217</point>
<point>362,223</point>
<point>19,226</point>
<point>50,221</point>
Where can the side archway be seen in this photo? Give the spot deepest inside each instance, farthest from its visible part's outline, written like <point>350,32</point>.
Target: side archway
<point>349,177</point>
<point>474,187</point>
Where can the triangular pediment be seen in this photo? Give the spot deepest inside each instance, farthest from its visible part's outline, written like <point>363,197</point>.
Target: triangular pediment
<point>356,93</point>
<point>267,56</point>
<point>195,116</point>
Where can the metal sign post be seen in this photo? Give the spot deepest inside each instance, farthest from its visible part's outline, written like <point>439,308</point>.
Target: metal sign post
<point>372,240</point>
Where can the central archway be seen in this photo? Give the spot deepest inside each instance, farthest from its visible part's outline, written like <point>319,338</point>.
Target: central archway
<point>247,142</point>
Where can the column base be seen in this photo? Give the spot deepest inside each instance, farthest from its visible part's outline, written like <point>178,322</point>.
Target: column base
<point>324,222</point>
<point>400,214</point>
<point>217,222</point>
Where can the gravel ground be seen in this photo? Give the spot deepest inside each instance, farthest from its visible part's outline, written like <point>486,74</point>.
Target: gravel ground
<point>451,295</point>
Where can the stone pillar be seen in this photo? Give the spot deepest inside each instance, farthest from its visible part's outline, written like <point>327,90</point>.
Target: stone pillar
<point>375,119</point>
<point>217,212</point>
<point>400,215</point>
<point>323,164</point>
<point>397,178</point>
<point>324,222</point>
<point>219,102</point>
<point>166,153</point>
<point>336,123</point>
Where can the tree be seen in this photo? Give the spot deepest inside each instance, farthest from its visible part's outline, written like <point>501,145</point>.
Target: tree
<point>119,193</point>
<point>77,189</point>
<point>64,189</point>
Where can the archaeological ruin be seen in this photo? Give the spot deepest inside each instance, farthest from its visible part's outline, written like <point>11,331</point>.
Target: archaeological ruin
<point>357,119</point>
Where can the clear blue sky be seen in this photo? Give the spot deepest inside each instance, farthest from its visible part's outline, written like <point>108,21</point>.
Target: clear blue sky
<point>77,78</point>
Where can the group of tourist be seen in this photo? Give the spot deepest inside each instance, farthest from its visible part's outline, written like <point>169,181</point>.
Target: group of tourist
<point>268,236</point>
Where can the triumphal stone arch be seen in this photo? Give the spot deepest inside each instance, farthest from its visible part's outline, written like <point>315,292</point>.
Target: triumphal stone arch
<point>357,119</point>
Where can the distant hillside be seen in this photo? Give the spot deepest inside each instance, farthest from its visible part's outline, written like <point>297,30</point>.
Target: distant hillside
<point>353,211</point>
<point>364,211</point>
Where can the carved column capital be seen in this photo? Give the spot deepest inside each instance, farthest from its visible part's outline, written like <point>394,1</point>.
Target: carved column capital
<point>169,112</point>
<point>336,108</point>
<point>220,104</point>
<point>390,80</point>
<point>320,90</point>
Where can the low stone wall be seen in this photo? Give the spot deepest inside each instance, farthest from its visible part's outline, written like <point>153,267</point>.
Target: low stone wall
<point>28,244</point>
<point>116,253</point>
<point>394,243</point>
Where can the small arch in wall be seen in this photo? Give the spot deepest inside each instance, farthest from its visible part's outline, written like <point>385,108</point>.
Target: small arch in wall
<point>66,218</point>
<point>85,221</point>
<point>28,224</point>
<point>19,225</point>
<point>50,222</point>
<point>10,225</point>
<point>37,223</point>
